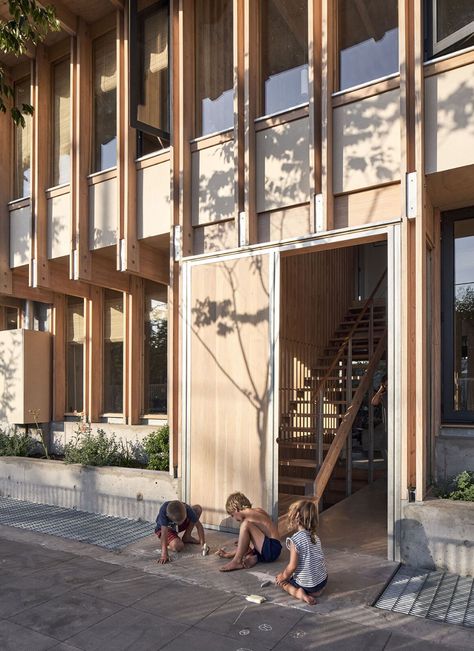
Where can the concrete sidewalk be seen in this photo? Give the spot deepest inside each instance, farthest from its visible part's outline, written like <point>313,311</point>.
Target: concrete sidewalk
<point>64,595</point>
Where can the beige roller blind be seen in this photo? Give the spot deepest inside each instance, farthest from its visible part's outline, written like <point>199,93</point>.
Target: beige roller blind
<point>113,318</point>
<point>75,323</point>
<point>61,123</point>
<point>22,143</point>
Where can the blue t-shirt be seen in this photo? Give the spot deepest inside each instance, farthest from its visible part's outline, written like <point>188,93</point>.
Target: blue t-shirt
<point>163,520</point>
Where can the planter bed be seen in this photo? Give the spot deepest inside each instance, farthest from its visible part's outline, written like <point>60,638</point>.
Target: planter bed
<point>123,492</point>
<point>439,533</point>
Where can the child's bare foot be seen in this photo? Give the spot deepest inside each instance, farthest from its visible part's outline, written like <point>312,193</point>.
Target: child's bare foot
<point>190,540</point>
<point>249,561</point>
<point>235,564</point>
<point>223,553</point>
<point>304,596</point>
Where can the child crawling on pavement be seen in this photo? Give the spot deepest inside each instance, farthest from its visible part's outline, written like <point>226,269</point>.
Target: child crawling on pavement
<point>258,535</point>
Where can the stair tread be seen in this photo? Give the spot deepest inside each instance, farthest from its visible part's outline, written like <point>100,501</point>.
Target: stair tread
<point>293,481</point>
<point>303,463</point>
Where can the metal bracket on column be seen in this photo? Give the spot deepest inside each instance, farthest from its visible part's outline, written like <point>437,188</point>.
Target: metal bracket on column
<point>242,228</point>
<point>411,191</point>
<point>318,213</point>
<point>177,242</point>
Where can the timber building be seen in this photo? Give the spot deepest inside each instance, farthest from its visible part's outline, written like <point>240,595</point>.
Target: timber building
<point>237,216</point>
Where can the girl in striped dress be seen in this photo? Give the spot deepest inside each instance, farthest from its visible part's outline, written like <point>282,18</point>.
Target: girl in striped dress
<point>305,576</point>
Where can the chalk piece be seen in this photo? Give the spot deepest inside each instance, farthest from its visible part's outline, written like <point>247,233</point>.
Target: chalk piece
<point>255,598</point>
<point>266,583</point>
<point>205,549</point>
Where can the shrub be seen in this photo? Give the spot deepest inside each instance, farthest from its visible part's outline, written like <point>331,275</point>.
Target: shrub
<point>91,449</point>
<point>157,449</point>
<point>459,488</point>
<point>16,444</point>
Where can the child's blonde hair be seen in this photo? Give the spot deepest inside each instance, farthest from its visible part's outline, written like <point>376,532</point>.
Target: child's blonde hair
<point>237,502</point>
<point>304,513</point>
<point>176,511</point>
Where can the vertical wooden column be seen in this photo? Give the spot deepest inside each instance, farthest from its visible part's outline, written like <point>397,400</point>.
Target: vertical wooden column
<point>314,93</point>
<point>174,289</point>
<point>40,159</point>
<point>133,351</point>
<point>421,254</point>
<point>95,345</point>
<point>328,10</point>
<point>185,117</point>
<point>239,103</point>
<point>81,115</point>
<point>59,357</point>
<point>251,38</point>
<point>127,244</point>
<point>6,157</point>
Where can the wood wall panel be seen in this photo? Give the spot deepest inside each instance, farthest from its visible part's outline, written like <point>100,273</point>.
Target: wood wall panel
<point>369,206</point>
<point>20,236</point>
<point>59,225</point>
<point>284,224</point>
<point>230,433</point>
<point>215,237</point>
<point>103,225</point>
<point>212,184</point>
<point>366,148</point>
<point>153,200</point>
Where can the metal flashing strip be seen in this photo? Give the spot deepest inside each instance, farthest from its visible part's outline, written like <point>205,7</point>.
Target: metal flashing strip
<point>91,528</point>
<point>437,595</point>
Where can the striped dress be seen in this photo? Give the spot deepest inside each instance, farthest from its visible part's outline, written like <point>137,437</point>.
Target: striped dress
<point>311,568</point>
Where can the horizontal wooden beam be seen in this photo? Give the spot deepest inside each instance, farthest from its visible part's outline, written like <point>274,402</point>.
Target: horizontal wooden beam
<point>67,19</point>
<point>153,265</point>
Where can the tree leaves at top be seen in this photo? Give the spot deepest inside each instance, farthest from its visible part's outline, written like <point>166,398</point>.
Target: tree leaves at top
<point>28,25</point>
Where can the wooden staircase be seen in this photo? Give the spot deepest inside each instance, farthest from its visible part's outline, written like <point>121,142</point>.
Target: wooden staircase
<point>318,415</point>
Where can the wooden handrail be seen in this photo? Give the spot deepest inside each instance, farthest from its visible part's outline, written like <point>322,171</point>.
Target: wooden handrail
<point>345,427</point>
<point>343,345</point>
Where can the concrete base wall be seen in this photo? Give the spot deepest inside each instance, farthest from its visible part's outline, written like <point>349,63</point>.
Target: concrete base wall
<point>438,534</point>
<point>454,452</point>
<point>124,492</point>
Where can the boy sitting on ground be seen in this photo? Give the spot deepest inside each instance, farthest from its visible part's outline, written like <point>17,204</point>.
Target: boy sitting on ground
<point>173,518</point>
<point>258,535</point>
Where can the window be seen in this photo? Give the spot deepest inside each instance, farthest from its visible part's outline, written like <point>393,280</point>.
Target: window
<point>458,316</point>
<point>104,62</point>
<point>23,135</point>
<point>214,66</point>
<point>284,54</point>
<point>75,336</point>
<point>42,317</point>
<point>113,352</point>
<point>149,65</point>
<point>61,123</point>
<point>450,26</point>
<point>156,348</point>
<point>367,41</point>
<point>11,318</point>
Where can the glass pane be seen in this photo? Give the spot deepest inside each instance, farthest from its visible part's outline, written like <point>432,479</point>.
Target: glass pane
<point>214,66</point>
<point>42,317</point>
<point>153,97</point>
<point>75,355</point>
<point>464,315</point>
<point>22,172</point>
<point>113,352</point>
<point>156,348</point>
<point>453,15</point>
<point>11,318</point>
<point>61,123</point>
<point>284,54</point>
<point>367,36</point>
<point>105,102</point>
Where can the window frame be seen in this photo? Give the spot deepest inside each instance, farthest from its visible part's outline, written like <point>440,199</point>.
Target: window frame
<point>448,413</point>
<point>437,47</point>
<point>134,65</point>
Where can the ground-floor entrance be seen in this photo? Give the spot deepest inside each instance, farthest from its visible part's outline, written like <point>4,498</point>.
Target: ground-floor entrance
<point>262,330</point>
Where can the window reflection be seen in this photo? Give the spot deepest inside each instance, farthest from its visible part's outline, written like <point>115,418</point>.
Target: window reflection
<point>113,352</point>
<point>23,135</point>
<point>284,54</point>
<point>464,315</point>
<point>105,102</point>
<point>75,336</point>
<point>367,37</point>
<point>155,348</point>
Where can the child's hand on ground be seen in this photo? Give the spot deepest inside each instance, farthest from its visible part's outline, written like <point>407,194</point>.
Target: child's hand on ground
<point>280,579</point>
<point>163,559</point>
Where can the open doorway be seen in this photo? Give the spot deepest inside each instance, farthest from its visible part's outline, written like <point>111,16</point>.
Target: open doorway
<point>333,361</point>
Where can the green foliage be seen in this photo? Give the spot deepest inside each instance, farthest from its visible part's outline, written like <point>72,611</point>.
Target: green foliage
<point>91,449</point>
<point>28,25</point>
<point>157,449</point>
<point>459,488</point>
<point>16,444</point>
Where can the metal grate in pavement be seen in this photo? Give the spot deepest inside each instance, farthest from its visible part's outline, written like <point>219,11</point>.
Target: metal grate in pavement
<point>102,530</point>
<point>440,596</point>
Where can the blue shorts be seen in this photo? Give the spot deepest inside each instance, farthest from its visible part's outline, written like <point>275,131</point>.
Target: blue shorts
<point>316,588</point>
<point>271,550</point>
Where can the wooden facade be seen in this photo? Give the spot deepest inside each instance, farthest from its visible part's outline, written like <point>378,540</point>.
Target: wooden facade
<point>252,229</point>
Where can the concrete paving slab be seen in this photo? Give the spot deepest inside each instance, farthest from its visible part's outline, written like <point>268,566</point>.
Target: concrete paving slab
<point>405,643</point>
<point>23,559</point>
<point>66,615</point>
<point>18,638</point>
<point>264,624</point>
<point>326,633</point>
<point>78,571</point>
<point>201,640</point>
<point>26,591</point>
<point>124,586</point>
<point>198,603</point>
<point>128,629</point>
